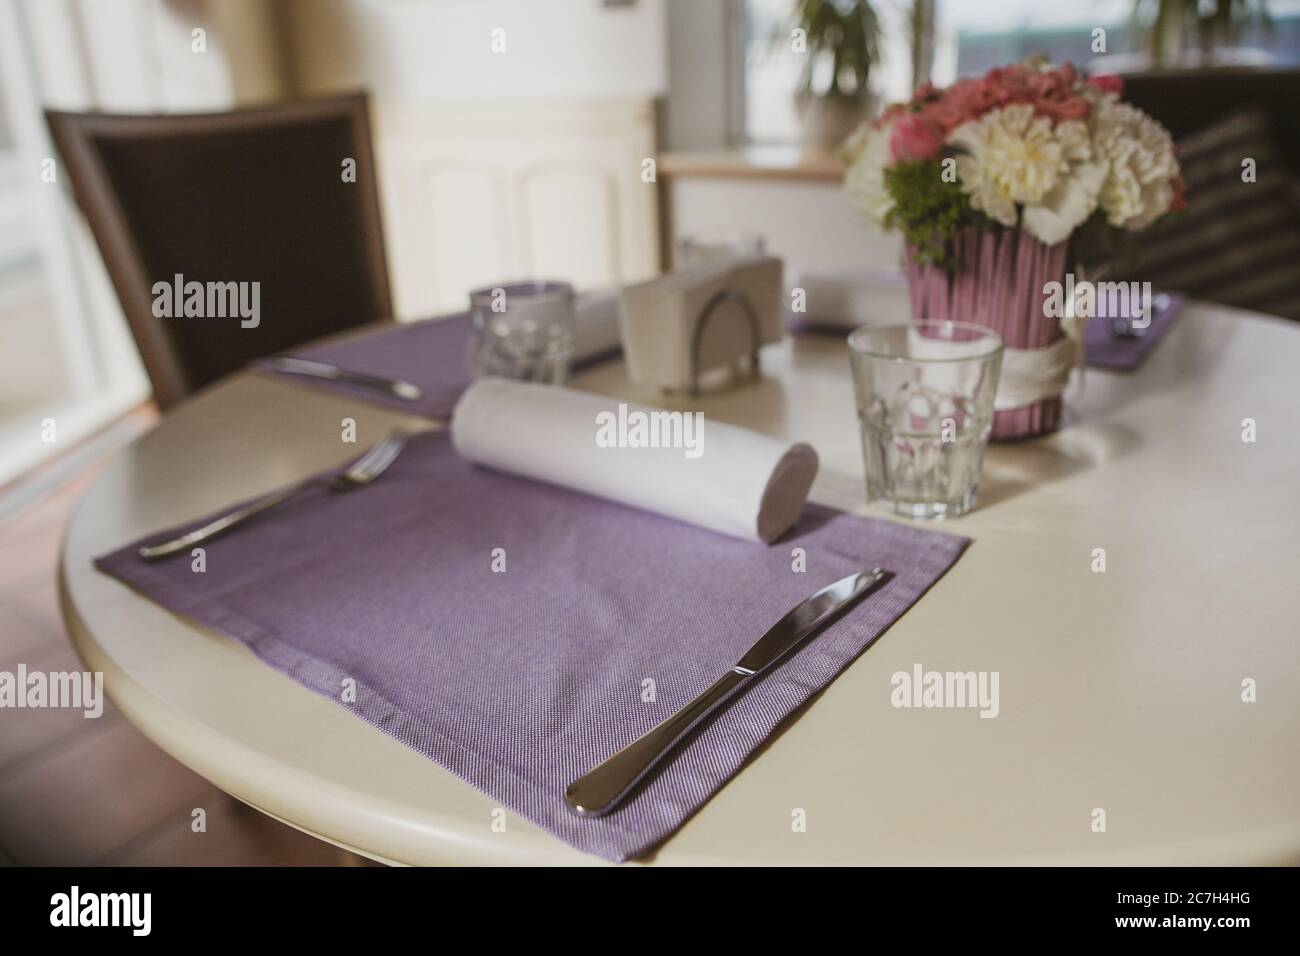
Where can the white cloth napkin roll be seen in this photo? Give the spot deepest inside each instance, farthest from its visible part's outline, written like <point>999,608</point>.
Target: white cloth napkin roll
<point>741,483</point>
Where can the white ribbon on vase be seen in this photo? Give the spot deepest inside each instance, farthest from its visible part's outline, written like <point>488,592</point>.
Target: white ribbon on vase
<point>1032,375</point>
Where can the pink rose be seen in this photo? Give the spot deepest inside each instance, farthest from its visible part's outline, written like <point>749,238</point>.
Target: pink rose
<point>914,138</point>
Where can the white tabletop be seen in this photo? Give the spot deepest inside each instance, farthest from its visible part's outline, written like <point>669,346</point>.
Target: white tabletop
<point>1119,690</point>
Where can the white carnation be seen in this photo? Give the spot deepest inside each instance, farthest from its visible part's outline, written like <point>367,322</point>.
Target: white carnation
<point>866,154</point>
<point>1010,157</point>
<point>1139,154</point>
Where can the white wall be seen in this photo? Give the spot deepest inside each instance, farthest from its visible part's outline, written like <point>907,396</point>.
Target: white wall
<point>521,163</point>
<point>701,75</point>
<point>810,225</point>
<point>442,49</point>
<point>484,193</point>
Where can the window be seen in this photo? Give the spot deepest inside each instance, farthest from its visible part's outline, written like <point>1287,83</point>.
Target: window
<point>66,362</point>
<point>772,69</point>
<point>969,38</point>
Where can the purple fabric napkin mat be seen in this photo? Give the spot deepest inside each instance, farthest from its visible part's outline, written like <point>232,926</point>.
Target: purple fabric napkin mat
<point>431,354</point>
<point>798,324</point>
<point>1103,350</point>
<point>519,682</point>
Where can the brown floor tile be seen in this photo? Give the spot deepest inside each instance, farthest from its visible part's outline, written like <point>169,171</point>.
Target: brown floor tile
<point>78,791</point>
<point>79,803</point>
<point>23,635</point>
<point>28,733</point>
<point>236,835</point>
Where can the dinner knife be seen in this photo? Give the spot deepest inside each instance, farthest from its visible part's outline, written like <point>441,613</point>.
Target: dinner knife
<point>600,790</point>
<point>298,366</point>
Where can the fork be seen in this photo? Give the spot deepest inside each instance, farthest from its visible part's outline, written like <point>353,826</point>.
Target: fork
<point>359,474</point>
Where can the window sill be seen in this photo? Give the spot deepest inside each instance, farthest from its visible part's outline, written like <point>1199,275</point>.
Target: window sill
<point>755,162</point>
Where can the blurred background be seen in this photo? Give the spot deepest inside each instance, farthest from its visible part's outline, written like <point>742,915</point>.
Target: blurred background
<point>511,138</point>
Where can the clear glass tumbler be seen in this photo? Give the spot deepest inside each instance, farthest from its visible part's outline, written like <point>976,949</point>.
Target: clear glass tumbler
<point>523,330</point>
<point>925,405</point>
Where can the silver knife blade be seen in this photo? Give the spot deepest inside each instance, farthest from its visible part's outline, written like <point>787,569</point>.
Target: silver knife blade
<point>601,789</point>
<point>300,366</point>
<point>785,635</point>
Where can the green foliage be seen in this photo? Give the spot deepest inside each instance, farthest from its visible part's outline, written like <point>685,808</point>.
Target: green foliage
<point>929,211</point>
<point>1210,24</point>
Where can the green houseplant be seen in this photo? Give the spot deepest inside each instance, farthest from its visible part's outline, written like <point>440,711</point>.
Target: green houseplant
<point>1175,27</point>
<point>840,40</point>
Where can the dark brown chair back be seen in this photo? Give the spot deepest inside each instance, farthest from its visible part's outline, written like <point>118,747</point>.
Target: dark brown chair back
<point>259,195</point>
<point>1186,101</point>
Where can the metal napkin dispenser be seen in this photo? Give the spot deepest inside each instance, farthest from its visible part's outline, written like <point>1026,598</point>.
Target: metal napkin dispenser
<point>680,326</point>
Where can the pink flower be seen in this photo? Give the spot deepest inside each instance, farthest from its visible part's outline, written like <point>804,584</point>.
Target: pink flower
<point>1054,93</point>
<point>914,138</point>
<point>947,116</point>
<point>1064,107</point>
<point>1108,83</point>
<point>964,100</point>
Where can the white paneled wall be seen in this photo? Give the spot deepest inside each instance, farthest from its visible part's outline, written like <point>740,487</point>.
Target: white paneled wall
<point>810,225</point>
<point>503,50</point>
<point>476,194</point>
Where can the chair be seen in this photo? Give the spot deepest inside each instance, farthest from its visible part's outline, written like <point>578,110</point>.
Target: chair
<point>1237,243</point>
<point>1185,101</point>
<point>259,195</point>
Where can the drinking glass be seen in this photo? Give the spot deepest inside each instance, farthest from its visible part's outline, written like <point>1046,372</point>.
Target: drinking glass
<point>712,248</point>
<point>925,406</point>
<point>523,330</point>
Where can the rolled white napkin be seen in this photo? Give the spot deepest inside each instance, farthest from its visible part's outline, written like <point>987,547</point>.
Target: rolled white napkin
<point>717,476</point>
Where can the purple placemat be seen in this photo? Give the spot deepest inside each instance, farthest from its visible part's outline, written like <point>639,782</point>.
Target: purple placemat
<point>521,681</point>
<point>431,354</point>
<point>1103,350</point>
<point>797,324</point>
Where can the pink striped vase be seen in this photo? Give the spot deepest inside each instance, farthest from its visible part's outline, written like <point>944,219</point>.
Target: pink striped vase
<point>997,283</point>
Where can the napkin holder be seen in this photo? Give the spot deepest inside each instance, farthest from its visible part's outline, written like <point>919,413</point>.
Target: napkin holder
<point>679,327</point>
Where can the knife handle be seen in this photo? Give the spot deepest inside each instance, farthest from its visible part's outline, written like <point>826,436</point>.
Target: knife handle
<point>599,790</point>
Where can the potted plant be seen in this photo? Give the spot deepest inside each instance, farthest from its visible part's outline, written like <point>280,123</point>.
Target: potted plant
<point>1176,26</point>
<point>839,40</point>
<point>1001,187</point>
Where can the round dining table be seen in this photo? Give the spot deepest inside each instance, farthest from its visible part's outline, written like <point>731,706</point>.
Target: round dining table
<point>1131,581</point>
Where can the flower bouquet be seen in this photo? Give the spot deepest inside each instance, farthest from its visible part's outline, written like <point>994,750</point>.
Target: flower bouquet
<point>1000,186</point>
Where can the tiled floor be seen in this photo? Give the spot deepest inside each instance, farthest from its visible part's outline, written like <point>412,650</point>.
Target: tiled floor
<point>77,791</point>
